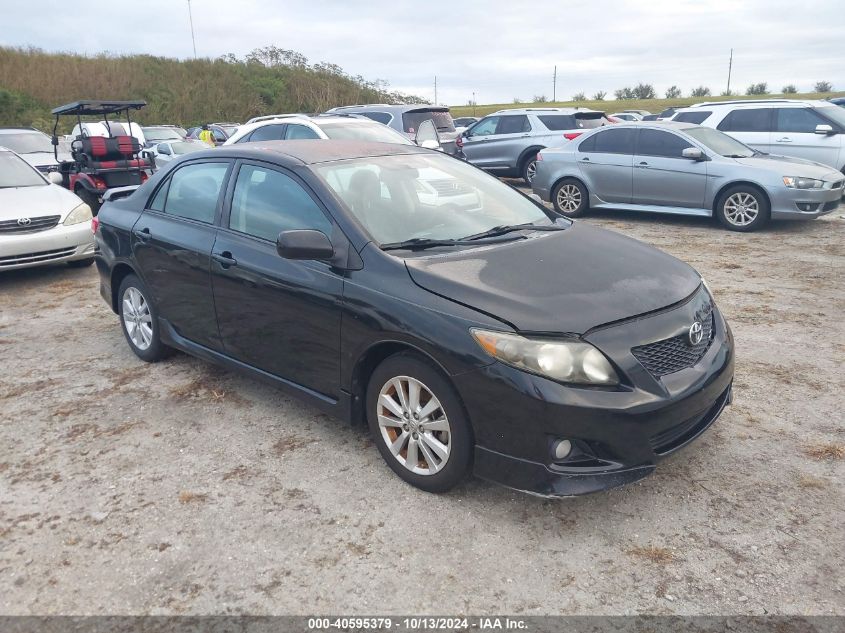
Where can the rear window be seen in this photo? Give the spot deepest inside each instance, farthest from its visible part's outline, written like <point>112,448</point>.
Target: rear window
<point>589,121</point>
<point>558,121</point>
<point>442,120</point>
<point>698,117</point>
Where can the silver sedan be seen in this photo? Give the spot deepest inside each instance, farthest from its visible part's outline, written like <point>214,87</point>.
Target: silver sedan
<point>681,168</point>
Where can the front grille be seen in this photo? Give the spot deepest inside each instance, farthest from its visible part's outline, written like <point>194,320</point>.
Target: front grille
<point>35,258</point>
<point>449,187</point>
<point>674,354</point>
<point>830,206</point>
<point>11,227</point>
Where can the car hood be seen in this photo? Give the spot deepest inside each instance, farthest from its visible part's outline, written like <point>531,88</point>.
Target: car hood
<point>31,202</point>
<point>567,281</point>
<point>794,166</point>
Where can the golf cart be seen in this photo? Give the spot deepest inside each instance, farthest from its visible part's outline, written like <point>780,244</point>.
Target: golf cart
<point>101,163</point>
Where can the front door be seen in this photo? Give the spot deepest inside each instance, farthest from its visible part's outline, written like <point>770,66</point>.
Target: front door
<point>281,316</point>
<point>662,176</point>
<point>477,142</point>
<point>795,135</point>
<point>172,241</point>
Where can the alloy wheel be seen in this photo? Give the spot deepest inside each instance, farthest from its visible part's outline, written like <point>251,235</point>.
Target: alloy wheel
<point>137,318</point>
<point>569,198</point>
<point>531,171</point>
<point>414,425</point>
<point>741,209</point>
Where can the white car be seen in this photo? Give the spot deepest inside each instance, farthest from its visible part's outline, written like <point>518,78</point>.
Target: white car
<point>34,147</point>
<point>41,222</point>
<point>812,130</point>
<point>164,153</point>
<point>300,126</point>
<point>627,116</point>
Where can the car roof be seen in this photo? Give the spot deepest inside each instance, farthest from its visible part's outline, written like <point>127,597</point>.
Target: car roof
<point>309,152</point>
<point>546,110</point>
<point>400,108</point>
<point>23,128</point>
<point>739,103</point>
<point>672,125</point>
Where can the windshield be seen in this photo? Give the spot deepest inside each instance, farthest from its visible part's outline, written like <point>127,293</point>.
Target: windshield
<point>425,196</point>
<point>27,142</point>
<point>181,147</point>
<point>160,134</point>
<point>16,172</point>
<point>363,131</point>
<point>719,142</point>
<point>834,113</point>
<point>442,120</point>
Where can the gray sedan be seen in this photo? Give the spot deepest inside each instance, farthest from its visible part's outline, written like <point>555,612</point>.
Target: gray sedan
<point>686,169</point>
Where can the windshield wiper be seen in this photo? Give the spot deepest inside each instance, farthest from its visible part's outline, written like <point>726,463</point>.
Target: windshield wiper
<point>502,229</point>
<point>418,243</point>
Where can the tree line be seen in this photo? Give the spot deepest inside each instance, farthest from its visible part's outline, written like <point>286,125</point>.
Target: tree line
<point>267,80</point>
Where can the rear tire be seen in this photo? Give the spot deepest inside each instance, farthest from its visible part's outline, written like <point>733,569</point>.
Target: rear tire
<point>422,433</point>
<point>570,198</point>
<point>139,320</point>
<point>529,167</point>
<point>742,208</point>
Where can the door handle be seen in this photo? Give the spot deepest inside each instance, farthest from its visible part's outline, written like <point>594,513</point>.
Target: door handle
<point>225,259</point>
<point>642,164</point>
<point>586,159</point>
<point>142,234</point>
<point>785,139</point>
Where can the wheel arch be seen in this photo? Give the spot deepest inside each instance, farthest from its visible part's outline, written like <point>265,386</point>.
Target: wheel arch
<point>526,154</point>
<point>371,358</point>
<point>119,272</point>
<point>747,183</point>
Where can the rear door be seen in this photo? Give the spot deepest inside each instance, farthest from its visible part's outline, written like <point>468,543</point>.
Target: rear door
<point>662,176</point>
<point>172,242</point>
<point>606,159</point>
<point>752,126</point>
<point>795,135</point>
<point>276,314</point>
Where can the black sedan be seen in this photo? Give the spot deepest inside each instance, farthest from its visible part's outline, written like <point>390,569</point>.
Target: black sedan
<point>471,328</point>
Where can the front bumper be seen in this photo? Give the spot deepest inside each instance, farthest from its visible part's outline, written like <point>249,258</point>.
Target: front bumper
<point>53,246</point>
<point>619,434</point>
<point>804,204</point>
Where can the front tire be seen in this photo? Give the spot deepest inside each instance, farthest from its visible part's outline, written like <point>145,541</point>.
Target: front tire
<point>570,198</point>
<point>139,320</point>
<point>418,423</point>
<point>742,208</point>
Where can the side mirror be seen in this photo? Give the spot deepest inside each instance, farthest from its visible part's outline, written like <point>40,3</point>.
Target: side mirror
<point>693,153</point>
<point>55,178</point>
<point>824,128</point>
<point>304,244</point>
<point>427,135</point>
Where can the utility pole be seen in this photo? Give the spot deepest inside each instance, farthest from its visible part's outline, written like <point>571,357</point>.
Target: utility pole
<point>730,66</point>
<point>473,103</point>
<point>435,89</point>
<point>191,19</point>
<point>554,86</point>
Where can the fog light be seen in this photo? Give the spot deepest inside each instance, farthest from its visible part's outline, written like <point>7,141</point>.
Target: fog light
<point>562,449</point>
<point>807,207</point>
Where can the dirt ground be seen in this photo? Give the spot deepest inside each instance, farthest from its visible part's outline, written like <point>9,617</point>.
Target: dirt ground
<point>128,488</point>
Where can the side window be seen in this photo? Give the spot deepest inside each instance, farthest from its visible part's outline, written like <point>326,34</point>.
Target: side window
<point>267,202</point>
<point>300,132</point>
<point>219,136</point>
<point>380,117</point>
<point>157,203</point>
<point>193,191</point>
<point>696,117</point>
<point>659,143</point>
<point>268,133</point>
<point>558,121</point>
<point>513,124</point>
<point>485,127</point>
<point>747,120</point>
<point>614,141</point>
<point>798,120</point>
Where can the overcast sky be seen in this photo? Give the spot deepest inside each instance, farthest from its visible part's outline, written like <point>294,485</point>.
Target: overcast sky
<point>500,50</point>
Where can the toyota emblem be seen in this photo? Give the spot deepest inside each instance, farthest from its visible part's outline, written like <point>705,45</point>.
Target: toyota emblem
<point>696,333</point>
<point>24,221</point>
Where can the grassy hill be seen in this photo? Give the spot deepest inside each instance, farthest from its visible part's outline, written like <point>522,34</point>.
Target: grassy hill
<point>267,81</point>
<point>612,105</point>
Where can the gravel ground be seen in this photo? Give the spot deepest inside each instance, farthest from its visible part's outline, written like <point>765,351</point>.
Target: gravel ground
<point>128,488</point>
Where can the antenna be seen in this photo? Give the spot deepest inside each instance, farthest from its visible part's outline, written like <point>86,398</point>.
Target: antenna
<point>191,19</point>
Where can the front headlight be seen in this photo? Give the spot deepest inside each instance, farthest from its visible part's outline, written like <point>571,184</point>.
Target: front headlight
<point>796,182</point>
<point>566,361</point>
<point>82,213</point>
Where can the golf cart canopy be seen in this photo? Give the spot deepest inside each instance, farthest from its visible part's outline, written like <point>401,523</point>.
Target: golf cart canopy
<point>82,108</point>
